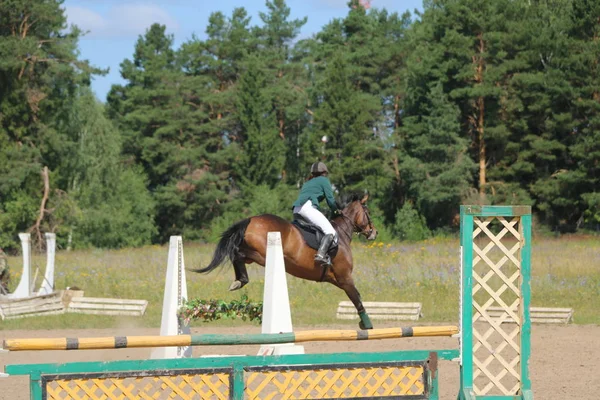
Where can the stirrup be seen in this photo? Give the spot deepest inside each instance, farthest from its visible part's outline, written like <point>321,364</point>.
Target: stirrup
<point>323,260</point>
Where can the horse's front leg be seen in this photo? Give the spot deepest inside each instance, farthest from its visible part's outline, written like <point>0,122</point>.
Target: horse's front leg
<point>347,285</point>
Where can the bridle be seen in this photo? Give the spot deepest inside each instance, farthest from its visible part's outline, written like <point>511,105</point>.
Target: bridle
<point>358,229</point>
<point>369,222</point>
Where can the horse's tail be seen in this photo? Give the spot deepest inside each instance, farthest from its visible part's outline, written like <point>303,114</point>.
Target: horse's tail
<point>228,246</point>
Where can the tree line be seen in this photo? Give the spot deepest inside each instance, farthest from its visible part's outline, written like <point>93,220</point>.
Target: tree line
<point>480,102</point>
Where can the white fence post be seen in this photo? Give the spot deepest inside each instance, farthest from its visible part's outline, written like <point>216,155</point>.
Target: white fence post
<point>277,316</point>
<point>23,290</point>
<point>47,285</point>
<point>174,295</point>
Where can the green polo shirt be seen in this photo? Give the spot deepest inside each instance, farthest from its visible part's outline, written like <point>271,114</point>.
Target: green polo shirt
<point>316,190</point>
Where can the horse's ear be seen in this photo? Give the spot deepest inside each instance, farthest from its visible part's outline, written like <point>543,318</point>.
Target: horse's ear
<point>364,199</point>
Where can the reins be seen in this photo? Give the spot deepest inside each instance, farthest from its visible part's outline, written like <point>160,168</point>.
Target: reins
<point>349,235</point>
<point>351,221</point>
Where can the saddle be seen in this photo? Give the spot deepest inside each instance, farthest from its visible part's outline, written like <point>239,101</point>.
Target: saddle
<point>312,234</point>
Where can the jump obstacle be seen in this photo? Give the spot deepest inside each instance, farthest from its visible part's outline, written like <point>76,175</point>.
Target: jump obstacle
<point>493,356</point>
<point>276,307</point>
<point>25,287</point>
<point>25,302</point>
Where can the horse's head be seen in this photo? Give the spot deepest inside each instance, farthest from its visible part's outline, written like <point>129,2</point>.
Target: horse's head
<point>358,213</point>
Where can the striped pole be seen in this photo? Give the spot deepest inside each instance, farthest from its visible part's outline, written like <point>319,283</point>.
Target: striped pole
<point>121,342</point>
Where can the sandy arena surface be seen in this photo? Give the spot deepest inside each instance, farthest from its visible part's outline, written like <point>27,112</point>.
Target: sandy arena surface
<point>565,360</point>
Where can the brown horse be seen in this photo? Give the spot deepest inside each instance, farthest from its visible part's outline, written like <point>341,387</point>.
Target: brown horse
<point>246,242</point>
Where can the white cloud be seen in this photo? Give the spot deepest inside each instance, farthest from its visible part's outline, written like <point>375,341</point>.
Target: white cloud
<point>120,20</point>
<point>85,19</point>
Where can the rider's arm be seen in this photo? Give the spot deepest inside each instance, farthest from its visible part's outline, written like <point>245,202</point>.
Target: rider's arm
<point>329,196</point>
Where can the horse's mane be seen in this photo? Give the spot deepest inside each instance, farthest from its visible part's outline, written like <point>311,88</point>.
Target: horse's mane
<point>346,198</point>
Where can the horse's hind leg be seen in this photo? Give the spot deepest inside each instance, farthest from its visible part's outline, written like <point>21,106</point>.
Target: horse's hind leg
<point>241,275</point>
<point>347,285</point>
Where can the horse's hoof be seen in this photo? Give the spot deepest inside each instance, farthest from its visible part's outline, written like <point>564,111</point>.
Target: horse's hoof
<point>363,327</point>
<point>235,285</point>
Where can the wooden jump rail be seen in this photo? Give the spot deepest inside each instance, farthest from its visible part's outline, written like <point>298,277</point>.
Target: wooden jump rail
<point>119,342</point>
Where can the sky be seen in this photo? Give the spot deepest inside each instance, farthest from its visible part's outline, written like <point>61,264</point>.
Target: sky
<point>113,26</point>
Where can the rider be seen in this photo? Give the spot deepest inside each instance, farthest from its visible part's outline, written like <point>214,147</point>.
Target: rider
<point>312,193</point>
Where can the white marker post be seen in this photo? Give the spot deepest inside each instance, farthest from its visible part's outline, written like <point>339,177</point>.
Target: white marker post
<point>47,285</point>
<point>277,317</point>
<point>23,290</point>
<point>174,296</point>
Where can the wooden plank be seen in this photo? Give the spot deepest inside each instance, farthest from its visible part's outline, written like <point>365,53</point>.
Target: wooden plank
<point>47,304</point>
<point>381,310</point>
<point>33,303</point>
<point>107,306</point>
<point>97,306</point>
<point>352,310</point>
<point>26,309</point>
<point>550,321</point>
<point>7,301</point>
<point>550,309</point>
<point>413,317</point>
<point>106,312</point>
<point>381,304</point>
<point>536,309</point>
<point>37,314</point>
<point>34,311</point>
<point>53,304</point>
<point>108,300</point>
<point>553,315</point>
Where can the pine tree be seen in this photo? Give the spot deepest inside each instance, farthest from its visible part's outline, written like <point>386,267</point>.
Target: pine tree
<point>262,157</point>
<point>437,165</point>
<point>39,76</point>
<point>163,116</point>
<point>564,134</point>
<point>348,109</point>
<point>586,149</point>
<point>286,81</point>
<point>345,118</point>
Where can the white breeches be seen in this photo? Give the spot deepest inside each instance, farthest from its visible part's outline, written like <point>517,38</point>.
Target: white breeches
<point>315,216</point>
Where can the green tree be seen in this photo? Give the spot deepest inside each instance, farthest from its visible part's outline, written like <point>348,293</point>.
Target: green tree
<point>348,106</point>
<point>262,157</point>
<point>163,116</point>
<point>437,166</point>
<point>139,108</point>
<point>39,76</point>
<point>114,207</point>
<point>286,82</point>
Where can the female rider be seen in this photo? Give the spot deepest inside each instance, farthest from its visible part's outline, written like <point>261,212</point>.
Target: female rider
<point>317,188</point>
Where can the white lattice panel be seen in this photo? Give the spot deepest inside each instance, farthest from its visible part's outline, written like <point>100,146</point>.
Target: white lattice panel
<point>496,284</point>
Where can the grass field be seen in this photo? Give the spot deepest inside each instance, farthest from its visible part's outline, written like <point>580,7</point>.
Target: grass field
<point>565,273</point>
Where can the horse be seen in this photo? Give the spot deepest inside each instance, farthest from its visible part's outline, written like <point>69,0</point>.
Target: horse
<point>245,242</point>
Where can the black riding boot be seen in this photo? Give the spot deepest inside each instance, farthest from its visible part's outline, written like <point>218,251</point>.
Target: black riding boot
<point>321,255</point>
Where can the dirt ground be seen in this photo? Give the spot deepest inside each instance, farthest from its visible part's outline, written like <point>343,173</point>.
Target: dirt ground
<point>565,360</point>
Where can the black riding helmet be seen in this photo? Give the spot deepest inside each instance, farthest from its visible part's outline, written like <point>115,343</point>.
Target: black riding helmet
<point>318,167</point>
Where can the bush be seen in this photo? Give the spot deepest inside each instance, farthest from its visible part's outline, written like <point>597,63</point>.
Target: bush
<point>410,225</point>
<point>212,310</point>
